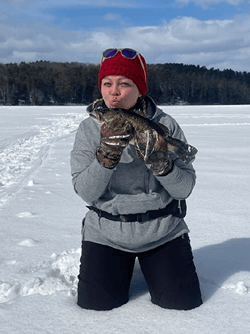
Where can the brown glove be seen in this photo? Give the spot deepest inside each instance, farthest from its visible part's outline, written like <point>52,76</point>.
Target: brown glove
<point>160,163</point>
<point>152,149</point>
<point>115,136</point>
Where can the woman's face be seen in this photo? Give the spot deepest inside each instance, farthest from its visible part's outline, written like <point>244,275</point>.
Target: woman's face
<point>119,92</point>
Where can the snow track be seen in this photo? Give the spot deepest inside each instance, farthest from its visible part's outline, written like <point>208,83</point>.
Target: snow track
<point>57,274</point>
<point>19,157</point>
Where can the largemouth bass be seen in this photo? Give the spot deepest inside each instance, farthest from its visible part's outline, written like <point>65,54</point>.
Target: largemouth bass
<point>141,124</point>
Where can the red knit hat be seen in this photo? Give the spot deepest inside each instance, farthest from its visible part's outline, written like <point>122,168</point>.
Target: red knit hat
<point>134,69</point>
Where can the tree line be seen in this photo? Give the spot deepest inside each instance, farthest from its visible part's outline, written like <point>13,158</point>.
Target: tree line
<point>51,83</point>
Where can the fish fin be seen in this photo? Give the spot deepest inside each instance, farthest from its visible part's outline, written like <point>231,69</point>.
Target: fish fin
<point>183,150</point>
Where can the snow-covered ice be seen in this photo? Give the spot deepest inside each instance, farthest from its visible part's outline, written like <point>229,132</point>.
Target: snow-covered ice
<point>40,225</point>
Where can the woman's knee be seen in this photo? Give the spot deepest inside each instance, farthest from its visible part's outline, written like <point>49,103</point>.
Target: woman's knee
<point>104,277</point>
<point>92,295</point>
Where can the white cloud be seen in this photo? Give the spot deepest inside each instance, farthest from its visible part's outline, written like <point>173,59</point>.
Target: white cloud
<point>219,44</point>
<point>215,43</point>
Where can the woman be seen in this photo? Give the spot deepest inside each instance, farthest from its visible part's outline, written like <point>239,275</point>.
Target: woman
<point>134,204</point>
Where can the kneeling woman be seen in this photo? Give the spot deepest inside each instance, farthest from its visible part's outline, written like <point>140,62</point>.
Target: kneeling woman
<point>136,207</point>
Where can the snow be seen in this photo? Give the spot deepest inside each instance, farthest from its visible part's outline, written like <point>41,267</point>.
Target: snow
<point>40,224</point>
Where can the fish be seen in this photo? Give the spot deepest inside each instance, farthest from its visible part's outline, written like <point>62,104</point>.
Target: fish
<point>142,124</point>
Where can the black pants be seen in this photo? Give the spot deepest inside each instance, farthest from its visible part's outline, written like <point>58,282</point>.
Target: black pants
<point>106,273</point>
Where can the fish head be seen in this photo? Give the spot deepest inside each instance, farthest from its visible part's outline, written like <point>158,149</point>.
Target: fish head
<point>106,115</point>
<point>98,116</point>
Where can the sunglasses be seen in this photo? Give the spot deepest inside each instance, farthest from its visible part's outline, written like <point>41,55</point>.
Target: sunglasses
<point>126,53</point>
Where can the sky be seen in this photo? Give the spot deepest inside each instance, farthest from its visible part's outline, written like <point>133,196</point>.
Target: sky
<point>210,33</point>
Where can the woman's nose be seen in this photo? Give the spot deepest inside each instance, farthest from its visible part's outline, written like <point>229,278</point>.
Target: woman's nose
<point>114,90</point>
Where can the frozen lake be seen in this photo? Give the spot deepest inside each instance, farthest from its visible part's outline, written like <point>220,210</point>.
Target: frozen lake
<point>40,222</point>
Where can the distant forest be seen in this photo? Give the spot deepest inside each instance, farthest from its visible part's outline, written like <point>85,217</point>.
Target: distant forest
<point>51,83</point>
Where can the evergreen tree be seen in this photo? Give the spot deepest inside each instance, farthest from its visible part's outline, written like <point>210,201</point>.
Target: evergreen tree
<point>51,83</point>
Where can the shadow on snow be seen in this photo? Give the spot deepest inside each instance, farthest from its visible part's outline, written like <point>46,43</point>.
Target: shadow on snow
<point>214,264</point>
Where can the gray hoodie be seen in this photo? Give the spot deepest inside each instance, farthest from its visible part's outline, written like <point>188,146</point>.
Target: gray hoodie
<point>129,188</point>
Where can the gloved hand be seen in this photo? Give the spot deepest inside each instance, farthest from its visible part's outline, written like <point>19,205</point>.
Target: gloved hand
<point>152,149</point>
<point>160,163</point>
<point>115,136</point>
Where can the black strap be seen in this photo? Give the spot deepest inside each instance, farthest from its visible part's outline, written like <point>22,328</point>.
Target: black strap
<point>176,208</point>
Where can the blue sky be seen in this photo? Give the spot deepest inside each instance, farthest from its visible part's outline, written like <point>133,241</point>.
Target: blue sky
<point>91,18</point>
<point>211,33</point>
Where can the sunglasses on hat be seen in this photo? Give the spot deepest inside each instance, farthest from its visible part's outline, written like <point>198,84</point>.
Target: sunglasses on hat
<point>126,53</point>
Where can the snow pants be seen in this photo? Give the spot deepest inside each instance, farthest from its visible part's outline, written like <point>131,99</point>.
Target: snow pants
<point>106,273</point>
